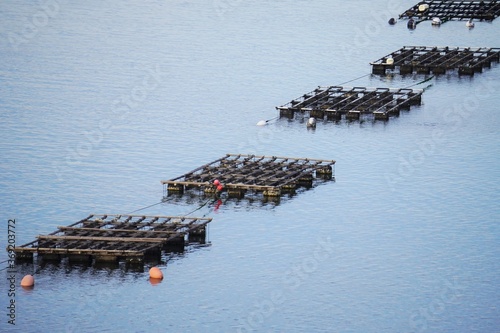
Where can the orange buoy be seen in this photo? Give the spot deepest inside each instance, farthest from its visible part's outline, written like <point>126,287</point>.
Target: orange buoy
<point>155,273</point>
<point>154,282</point>
<point>28,281</point>
<point>220,187</point>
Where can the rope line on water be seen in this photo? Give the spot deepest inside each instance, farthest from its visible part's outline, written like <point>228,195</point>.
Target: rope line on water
<point>164,201</point>
<point>2,262</point>
<point>198,208</point>
<point>145,207</point>
<point>362,76</point>
<point>423,81</point>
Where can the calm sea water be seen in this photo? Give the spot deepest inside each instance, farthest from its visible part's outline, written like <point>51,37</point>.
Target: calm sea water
<point>101,101</point>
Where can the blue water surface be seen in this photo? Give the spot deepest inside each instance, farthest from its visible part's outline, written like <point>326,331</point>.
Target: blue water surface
<point>100,101</point>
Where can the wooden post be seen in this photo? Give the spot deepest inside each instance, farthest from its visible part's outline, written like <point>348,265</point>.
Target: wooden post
<point>50,257</point>
<point>175,245</point>
<point>235,193</point>
<point>422,69</point>
<point>287,113</point>
<point>197,235</point>
<point>106,258</point>
<point>272,192</point>
<point>324,172</point>
<point>353,115</point>
<point>405,69</point>
<point>318,114</point>
<point>175,188</point>
<point>209,190</point>
<point>83,258</point>
<point>305,180</point>
<point>333,115</point>
<point>466,70</point>
<point>438,70</point>
<point>24,256</point>
<point>289,188</point>
<point>378,69</point>
<point>380,115</point>
<point>415,98</point>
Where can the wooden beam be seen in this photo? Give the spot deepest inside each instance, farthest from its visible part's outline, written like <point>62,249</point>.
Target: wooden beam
<point>102,230</point>
<point>105,239</point>
<point>286,158</point>
<point>146,216</point>
<point>43,250</point>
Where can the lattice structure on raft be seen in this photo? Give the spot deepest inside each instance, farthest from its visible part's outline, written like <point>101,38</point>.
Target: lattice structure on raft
<point>437,60</point>
<point>351,102</point>
<point>447,10</point>
<point>270,175</point>
<point>117,237</point>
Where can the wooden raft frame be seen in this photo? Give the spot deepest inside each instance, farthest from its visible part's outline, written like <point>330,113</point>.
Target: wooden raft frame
<point>438,60</point>
<point>333,102</point>
<point>239,173</point>
<point>447,10</point>
<point>108,237</point>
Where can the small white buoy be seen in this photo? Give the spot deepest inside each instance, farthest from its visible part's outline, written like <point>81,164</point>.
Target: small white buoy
<point>390,61</point>
<point>261,123</point>
<point>469,24</point>
<point>311,122</point>
<point>423,8</point>
<point>436,21</point>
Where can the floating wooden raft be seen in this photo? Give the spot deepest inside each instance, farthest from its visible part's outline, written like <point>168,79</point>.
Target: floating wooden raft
<point>334,101</point>
<point>438,60</point>
<point>270,175</point>
<point>115,237</point>
<point>453,10</point>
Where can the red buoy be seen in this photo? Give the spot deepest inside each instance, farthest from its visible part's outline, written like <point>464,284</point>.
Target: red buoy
<point>216,182</point>
<point>28,281</point>
<point>220,187</point>
<point>155,273</point>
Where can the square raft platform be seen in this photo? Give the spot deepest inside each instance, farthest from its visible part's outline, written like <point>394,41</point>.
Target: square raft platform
<point>111,238</point>
<point>335,102</point>
<point>270,175</point>
<point>447,10</point>
<point>437,60</point>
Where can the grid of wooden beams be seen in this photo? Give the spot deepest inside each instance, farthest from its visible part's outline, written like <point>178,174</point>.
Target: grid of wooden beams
<point>239,173</point>
<point>336,101</point>
<point>453,10</point>
<point>116,236</point>
<point>437,60</point>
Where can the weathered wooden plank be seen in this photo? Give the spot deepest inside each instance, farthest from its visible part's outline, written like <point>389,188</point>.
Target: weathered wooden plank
<point>42,250</point>
<point>111,231</point>
<point>288,158</point>
<point>107,239</point>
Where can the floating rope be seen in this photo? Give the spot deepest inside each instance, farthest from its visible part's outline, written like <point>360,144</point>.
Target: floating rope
<point>200,207</point>
<point>2,262</point>
<point>354,79</point>
<point>423,81</point>
<point>264,122</point>
<point>145,207</point>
